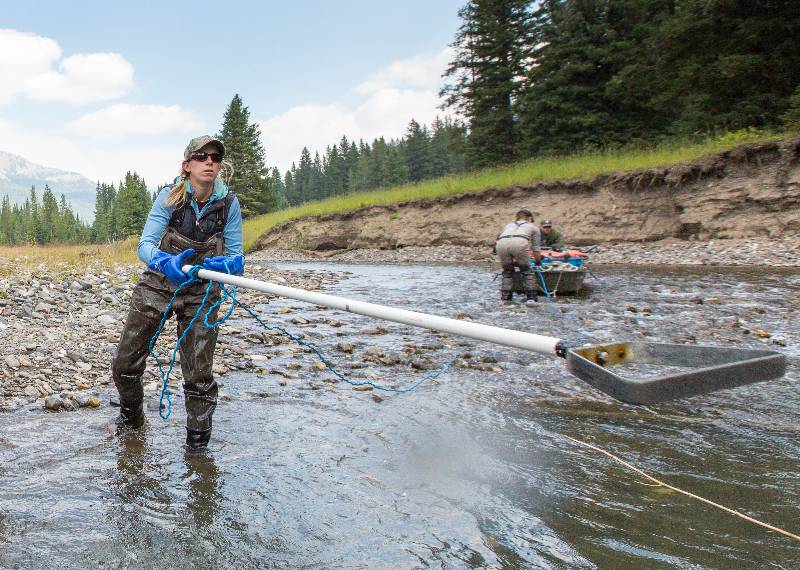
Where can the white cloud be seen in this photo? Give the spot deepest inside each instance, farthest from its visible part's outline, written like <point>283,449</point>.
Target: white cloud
<point>389,99</point>
<point>27,69</point>
<point>124,119</point>
<point>107,162</point>
<point>421,72</point>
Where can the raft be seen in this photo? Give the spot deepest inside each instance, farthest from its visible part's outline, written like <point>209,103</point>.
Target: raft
<point>563,271</point>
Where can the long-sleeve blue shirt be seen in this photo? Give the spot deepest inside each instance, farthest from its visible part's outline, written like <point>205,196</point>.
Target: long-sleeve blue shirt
<point>160,213</point>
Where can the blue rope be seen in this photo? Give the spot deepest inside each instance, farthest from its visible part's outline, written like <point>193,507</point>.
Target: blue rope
<point>231,296</point>
<point>165,393</point>
<point>332,368</point>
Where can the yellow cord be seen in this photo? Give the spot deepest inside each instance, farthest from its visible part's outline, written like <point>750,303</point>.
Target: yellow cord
<point>687,493</point>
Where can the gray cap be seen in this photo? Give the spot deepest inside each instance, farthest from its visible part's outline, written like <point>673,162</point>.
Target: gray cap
<point>547,224</point>
<point>199,142</point>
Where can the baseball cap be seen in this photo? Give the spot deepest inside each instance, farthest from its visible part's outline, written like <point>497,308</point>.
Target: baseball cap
<point>199,142</point>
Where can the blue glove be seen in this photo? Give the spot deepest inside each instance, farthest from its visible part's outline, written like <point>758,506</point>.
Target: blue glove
<point>230,264</point>
<point>170,265</point>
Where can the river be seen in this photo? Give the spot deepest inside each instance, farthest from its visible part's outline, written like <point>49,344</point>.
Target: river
<point>467,471</point>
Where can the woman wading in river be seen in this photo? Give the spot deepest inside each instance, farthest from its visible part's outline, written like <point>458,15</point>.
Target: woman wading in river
<point>195,221</point>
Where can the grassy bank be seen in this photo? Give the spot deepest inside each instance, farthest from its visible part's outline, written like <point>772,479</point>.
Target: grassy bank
<point>70,259</point>
<point>582,165</point>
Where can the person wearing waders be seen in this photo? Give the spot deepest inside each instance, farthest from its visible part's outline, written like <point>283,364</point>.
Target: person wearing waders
<point>195,221</point>
<point>515,245</point>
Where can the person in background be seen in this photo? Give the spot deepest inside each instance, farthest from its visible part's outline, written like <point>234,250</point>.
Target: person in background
<point>551,238</point>
<point>195,221</point>
<point>517,242</point>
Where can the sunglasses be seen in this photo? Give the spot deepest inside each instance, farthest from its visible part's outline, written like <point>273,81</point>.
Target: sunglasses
<point>202,156</point>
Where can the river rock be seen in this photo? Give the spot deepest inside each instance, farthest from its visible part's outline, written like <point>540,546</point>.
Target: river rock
<point>52,403</point>
<point>106,320</point>
<point>345,347</point>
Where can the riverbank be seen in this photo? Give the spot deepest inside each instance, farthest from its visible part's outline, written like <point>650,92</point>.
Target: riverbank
<point>60,331</point>
<point>755,251</point>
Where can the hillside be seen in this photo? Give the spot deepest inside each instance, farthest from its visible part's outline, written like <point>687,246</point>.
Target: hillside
<point>751,190</point>
<point>18,174</point>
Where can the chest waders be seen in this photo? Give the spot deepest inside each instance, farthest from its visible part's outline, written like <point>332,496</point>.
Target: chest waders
<point>148,302</point>
<point>514,251</point>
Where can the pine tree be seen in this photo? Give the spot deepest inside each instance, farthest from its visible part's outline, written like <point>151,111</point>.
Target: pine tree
<point>304,177</point>
<point>6,222</point>
<point>490,54</point>
<point>290,187</point>
<point>731,64</point>
<point>131,206</point>
<point>48,216</point>
<point>564,105</point>
<point>243,149</point>
<point>278,189</point>
<point>417,151</point>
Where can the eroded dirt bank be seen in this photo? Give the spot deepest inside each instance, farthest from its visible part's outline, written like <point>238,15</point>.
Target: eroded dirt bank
<point>751,191</point>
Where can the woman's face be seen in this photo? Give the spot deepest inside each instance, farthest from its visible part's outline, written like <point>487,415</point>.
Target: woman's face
<point>201,167</point>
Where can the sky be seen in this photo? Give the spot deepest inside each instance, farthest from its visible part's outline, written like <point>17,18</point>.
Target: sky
<point>101,88</point>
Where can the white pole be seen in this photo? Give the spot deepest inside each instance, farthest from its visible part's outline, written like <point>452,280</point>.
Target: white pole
<point>497,335</point>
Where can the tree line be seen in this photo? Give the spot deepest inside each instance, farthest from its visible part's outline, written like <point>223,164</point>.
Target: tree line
<point>348,167</point>
<point>44,221</point>
<point>552,76</point>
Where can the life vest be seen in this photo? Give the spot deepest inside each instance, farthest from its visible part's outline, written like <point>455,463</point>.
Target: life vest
<point>204,235</point>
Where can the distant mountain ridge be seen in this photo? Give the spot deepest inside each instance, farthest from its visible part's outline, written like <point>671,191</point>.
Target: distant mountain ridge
<point>18,174</point>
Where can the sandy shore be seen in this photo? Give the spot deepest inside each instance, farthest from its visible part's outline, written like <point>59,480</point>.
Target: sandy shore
<point>783,252</point>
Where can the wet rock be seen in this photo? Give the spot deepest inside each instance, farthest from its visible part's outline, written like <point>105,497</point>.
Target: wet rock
<point>93,402</point>
<point>778,340</point>
<point>376,398</point>
<point>373,353</point>
<point>345,347</point>
<point>423,364</point>
<point>462,316</point>
<point>52,403</point>
<point>374,331</point>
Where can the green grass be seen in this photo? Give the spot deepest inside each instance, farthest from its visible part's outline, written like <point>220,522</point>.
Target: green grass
<point>580,165</point>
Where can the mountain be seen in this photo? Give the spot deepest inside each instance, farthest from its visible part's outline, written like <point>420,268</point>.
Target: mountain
<point>18,174</point>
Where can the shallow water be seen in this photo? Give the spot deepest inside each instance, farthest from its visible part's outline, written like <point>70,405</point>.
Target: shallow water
<point>468,471</point>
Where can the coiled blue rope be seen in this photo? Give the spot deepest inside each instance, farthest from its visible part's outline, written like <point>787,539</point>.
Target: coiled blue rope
<point>230,295</point>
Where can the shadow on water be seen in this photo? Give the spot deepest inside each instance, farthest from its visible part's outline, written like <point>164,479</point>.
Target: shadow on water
<point>468,471</point>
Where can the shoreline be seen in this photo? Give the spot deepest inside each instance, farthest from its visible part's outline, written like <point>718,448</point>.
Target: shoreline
<point>671,252</point>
